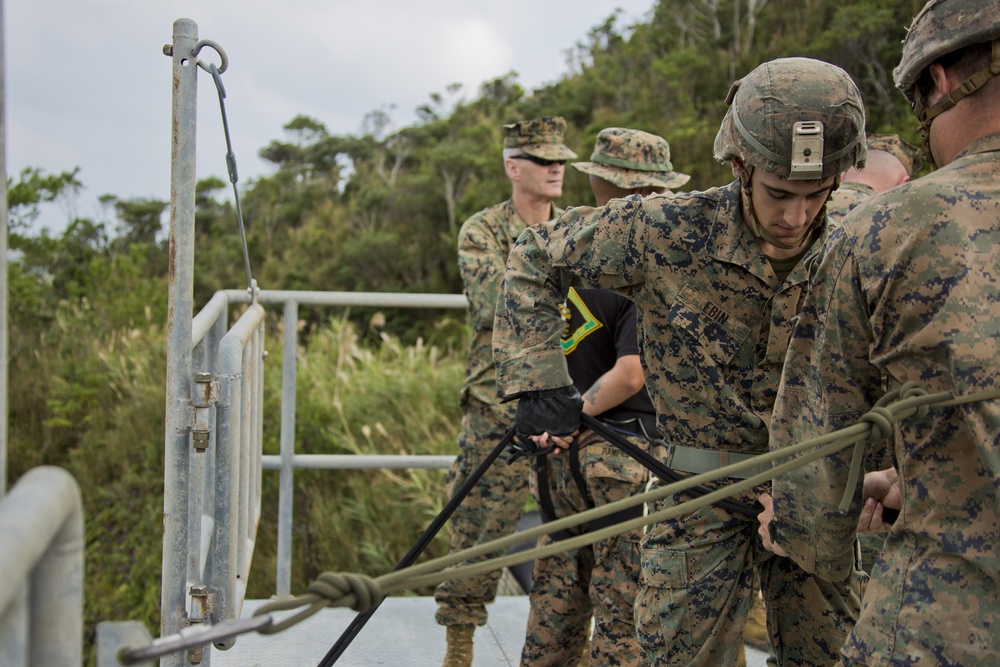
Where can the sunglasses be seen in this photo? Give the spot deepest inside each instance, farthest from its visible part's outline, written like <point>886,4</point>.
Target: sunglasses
<point>537,160</point>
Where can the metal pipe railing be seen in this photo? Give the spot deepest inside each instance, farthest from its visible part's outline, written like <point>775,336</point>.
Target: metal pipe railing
<point>41,590</point>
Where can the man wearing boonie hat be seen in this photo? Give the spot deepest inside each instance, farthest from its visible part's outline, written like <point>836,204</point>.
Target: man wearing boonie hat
<point>633,162</point>
<point>534,157</point>
<point>891,162</point>
<point>602,354</point>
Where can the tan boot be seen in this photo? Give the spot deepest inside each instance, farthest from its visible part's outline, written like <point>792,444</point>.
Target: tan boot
<point>585,655</point>
<point>742,662</point>
<point>755,630</point>
<point>459,652</point>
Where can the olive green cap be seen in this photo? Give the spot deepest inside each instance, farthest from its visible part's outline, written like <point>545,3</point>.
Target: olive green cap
<point>632,159</point>
<point>907,154</point>
<point>540,137</point>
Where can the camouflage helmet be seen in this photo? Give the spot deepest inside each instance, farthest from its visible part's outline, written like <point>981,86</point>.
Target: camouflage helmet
<point>942,27</point>
<point>800,118</point>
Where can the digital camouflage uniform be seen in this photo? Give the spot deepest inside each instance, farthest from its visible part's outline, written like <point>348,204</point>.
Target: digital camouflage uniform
<point>600,580</point>
<point>715,323</point>
<point>494,506</point>
<point>846,198</point>
<point>849,196</point>
<point>908,289</point>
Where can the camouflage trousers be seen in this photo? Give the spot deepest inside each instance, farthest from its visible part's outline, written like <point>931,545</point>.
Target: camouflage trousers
<point>697,582</point>
<point>490,511</point>
<point>600,581</point>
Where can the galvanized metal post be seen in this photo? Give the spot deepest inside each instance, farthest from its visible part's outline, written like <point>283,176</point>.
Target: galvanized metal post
<point>286,480</point>
<point>179,314</point>
<point>3,268</point>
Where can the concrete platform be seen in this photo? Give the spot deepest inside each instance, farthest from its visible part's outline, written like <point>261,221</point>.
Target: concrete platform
<point>401,634</point>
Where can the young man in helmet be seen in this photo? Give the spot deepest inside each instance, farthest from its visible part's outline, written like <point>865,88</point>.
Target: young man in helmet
<point>907,288</point>
<point>717,278</point>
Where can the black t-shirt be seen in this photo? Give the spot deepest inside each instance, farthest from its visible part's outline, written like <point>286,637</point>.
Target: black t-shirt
<point>601,328</point>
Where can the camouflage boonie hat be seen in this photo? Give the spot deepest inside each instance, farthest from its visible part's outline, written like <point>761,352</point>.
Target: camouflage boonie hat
<point>539,137</point>
<point>632,159</point>
<point>907,154</point>
<point>814,102</point>
<point>944,26</point>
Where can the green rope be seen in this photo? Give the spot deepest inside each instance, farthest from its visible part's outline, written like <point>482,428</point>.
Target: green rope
<point>360,591</point>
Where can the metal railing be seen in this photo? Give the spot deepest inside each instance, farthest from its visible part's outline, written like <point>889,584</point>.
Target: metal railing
<point>287,461</point>
<point>41,590</point>
<point>213,450</point>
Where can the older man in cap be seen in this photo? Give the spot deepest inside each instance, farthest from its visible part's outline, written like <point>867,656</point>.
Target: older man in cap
<point>602,354</point>
<point>534,157</point>
<point>891,162</point>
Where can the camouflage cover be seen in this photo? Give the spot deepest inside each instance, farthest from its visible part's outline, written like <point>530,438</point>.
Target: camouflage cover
<point>941,27</point>
<point>765,105</point>
<point>907,288</point>
<point>540,137</point>
<point>632,159</point>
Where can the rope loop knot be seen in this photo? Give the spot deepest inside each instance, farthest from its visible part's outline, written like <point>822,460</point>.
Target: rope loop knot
<point>357,591</point>
<point>881,420</point>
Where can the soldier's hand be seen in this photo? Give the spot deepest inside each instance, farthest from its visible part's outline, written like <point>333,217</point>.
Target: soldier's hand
<point>765,523</point>
<point>549,412</point>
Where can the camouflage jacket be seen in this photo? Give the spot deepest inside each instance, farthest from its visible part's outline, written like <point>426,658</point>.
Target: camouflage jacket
<point>713,319</point>
<point>846,198</point>
<point>484,242</point>
<point>908,287</point>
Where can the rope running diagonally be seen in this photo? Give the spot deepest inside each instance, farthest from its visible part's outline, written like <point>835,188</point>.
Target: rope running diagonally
<point>360,591</point>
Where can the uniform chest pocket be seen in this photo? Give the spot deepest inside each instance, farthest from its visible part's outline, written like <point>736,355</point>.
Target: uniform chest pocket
<point>717,331</point>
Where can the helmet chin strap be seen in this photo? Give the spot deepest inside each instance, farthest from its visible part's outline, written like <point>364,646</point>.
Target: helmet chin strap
<point>926,114</point>
<point>746,190</point>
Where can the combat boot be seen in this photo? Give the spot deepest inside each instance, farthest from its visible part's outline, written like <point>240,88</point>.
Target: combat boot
<point>459,653</point>
<point>755,630</point>
<point>585,655</point>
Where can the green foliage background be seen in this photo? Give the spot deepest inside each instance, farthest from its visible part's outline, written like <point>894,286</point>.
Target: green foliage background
<point>377,211</point>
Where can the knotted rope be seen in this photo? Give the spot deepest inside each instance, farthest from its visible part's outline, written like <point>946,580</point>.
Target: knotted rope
<point>360,592</point>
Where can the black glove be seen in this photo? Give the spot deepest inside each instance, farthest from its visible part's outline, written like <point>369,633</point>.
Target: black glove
<point>556,411</point>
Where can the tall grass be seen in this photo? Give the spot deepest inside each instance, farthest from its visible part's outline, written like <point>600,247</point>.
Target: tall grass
<point>355,398</point>
<point>92,402</point>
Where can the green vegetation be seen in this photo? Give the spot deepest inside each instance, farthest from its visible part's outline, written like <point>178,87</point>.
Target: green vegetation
<point>378,211</point>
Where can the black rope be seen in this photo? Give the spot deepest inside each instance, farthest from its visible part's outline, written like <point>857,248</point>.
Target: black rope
<point>662,471</point>
<point>419,546</point>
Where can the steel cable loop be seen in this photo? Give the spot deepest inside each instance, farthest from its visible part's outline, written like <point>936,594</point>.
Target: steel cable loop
<point>783,460</point>
<point>223,66</point>
<point>231,161</point>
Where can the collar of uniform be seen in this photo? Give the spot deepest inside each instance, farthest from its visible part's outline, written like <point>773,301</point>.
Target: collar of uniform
<point>988,144</point>
<point>731,240</point>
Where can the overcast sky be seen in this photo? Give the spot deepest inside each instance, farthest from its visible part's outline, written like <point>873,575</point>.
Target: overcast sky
<point>87,84</point>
